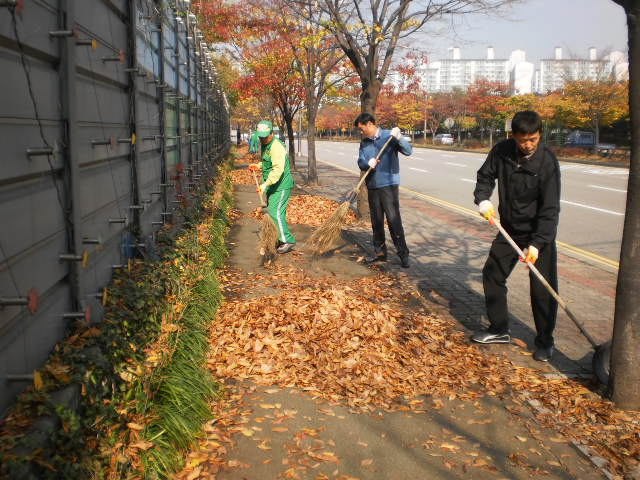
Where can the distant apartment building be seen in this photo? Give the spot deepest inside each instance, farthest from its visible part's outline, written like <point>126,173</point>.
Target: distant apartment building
<point>555,72</point>
<point>521,75</point>
<point>456,72</point>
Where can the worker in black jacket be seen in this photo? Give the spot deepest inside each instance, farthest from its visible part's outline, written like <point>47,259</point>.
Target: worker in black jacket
<point>528,178</point>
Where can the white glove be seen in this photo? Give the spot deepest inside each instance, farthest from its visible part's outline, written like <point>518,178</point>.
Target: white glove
<point>373,163</point>
<point>395,131</point>
<point>485,208</point>
<point>530,254</point>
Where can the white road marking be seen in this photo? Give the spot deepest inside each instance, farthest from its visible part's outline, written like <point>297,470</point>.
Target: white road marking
<point>468,180</point>
<point>610,212</point>
<point>608,188</point>
<point>595,171</point>
<point>419,170</point>
<point>453,164</point>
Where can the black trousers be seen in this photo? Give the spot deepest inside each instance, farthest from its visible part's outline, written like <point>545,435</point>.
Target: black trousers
<point>502,259</point>
<point>385,202</point>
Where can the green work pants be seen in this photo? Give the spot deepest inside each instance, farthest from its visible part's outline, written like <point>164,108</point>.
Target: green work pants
<point>278,202</point>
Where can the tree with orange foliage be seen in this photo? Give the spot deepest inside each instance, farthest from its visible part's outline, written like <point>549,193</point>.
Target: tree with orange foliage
<point>485,100</point>
<point>271,70</point>
<point>595,104</point>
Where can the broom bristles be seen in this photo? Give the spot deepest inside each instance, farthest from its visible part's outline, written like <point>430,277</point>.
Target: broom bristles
<point>268,236</point>
<point>326,235</point>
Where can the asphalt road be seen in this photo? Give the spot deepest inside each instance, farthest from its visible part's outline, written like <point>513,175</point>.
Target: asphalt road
<point>592,199</point>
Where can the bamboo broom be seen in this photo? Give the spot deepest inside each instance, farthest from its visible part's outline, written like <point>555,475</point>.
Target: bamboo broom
<point>268,235</point>
<point>327,234</point>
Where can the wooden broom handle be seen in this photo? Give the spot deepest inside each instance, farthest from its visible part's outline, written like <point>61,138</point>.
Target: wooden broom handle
<point>262,202</point>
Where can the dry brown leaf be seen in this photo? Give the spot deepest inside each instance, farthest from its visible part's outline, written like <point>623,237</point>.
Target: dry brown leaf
<point>142,445</point>
<point>195,473</point>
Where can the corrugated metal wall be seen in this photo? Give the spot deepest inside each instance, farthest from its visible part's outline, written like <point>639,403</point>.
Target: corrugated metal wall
<point>110,114</point>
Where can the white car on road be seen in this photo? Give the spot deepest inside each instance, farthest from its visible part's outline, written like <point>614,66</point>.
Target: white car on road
<point>443,139</point>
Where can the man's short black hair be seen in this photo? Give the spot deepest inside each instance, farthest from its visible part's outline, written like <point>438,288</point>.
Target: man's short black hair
<point>526,122</point>
<point>364,118</point>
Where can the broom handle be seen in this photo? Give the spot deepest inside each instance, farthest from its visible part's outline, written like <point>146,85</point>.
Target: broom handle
<point>258,187</point>
<point>357,189</point>
<point>544,282</point>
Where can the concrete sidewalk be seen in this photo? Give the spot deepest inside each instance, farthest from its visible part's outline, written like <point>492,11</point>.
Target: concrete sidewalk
<point>448,250</point>
<point>264,432</point>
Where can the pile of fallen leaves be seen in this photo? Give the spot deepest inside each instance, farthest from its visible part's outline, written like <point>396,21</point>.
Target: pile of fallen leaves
<point>243,176</point>
<point>355,343</point>
<point>340,345</point>
<point>313,210</point>
<point>309,210</point>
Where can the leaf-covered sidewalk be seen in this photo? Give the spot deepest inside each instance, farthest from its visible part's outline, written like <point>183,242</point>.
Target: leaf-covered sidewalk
<point>335,370</point>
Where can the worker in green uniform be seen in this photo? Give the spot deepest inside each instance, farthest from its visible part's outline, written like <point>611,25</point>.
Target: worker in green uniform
<point>254,143</point>
<point>277,182</point>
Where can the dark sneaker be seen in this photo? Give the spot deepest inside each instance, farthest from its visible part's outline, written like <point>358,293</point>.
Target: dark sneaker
<point>488,337</point>
<point>376,258</point>
<point>285,247</point>
<point>404,261</point>
<point>543,354</point>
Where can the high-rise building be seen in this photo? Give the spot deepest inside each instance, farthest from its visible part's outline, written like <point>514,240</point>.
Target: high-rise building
<point>445,75</point>
<point>555,72</point>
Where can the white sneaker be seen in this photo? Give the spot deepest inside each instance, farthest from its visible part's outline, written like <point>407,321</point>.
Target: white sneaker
<point>286,247</point>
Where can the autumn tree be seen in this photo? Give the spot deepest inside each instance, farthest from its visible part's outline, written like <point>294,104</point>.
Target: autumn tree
<point>595,104</point>
<point>336,116</point>
<point>485,99</point>
<point>625,354</point>
<point>316,58</point>
<point>321,65</point>
<point>369,32</point>
<point>438,109</point>
<point>271,71</point>
<point>385,112</point>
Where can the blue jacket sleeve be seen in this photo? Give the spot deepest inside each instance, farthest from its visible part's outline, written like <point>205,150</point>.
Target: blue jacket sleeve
<point>404,147</point>
<point>363,162</point>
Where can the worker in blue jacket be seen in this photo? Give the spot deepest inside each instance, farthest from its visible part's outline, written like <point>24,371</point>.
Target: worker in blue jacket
<point>383,183</point>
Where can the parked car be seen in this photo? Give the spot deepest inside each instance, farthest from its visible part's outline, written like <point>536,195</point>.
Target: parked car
<point>443,139</point>
<point>587,140</point>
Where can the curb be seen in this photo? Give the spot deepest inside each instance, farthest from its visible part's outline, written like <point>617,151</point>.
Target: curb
<point>598,462</point>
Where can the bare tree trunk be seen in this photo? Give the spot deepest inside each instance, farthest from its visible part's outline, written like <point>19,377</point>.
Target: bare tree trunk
<point>424,129</point>
<point>625,352</point>
<point>369,95</point>
<point>288,120</point>
<point>312,171</point>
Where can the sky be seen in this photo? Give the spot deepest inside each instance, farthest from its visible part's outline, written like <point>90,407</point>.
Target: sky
<point>537,27</point>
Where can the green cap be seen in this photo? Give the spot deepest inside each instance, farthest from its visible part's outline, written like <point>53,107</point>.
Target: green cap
<point>264,128</point>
